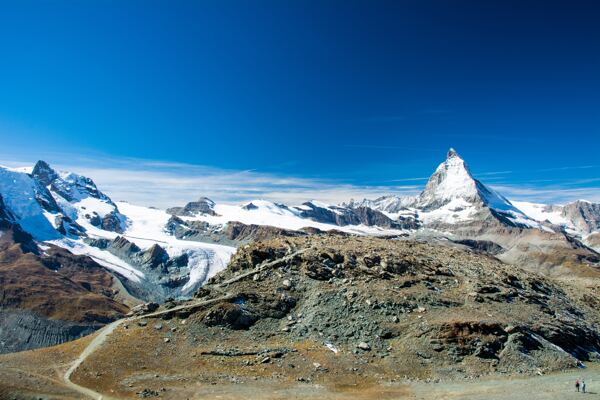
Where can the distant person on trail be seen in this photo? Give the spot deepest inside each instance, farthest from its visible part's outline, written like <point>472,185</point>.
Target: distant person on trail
<point>583,386</point>
<point>577,385</point>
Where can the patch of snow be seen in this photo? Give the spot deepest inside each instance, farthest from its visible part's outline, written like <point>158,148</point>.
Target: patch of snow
<point>331,347</point>
<point>102,257</point>
<point>543,212</point>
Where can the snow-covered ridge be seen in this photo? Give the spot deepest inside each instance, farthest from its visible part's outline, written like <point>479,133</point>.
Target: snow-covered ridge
<point>263,212</point>
<point>69,210</point>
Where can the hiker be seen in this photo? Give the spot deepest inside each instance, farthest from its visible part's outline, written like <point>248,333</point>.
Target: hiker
<point>577,385</point>
<point>583,386</point>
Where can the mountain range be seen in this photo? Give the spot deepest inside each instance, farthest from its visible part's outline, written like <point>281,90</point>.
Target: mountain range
<point>72,259</point>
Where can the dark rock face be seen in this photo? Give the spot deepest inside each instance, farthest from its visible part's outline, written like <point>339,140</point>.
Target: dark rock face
<point>112,222</point>
<point>45,199</point>
<point>165,276</point>
<point>66,226</point>
<point>230,315</point>
<point>245,310</point>
<point>232,234</point>
<point>123,245</point>
<point>584,215</point>
<point>5,214</point>
<point>483,246</point>
<point>25,330</point>
<point>343,216</point>
<point>249,206</point>
<point>43,173</point>
<point>203,206</point>
<point>71,187</point>
<point>154,256</point>
<point>242,233</point>
<point>14,234</point>
<point>368,216</point>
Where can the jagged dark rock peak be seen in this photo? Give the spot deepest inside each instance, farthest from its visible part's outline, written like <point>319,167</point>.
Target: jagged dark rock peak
<point>112,222</point>
<point>70,186</point>
<point>154,256</point>
<point>204,205</point>
<point>43,173</point>
<point>249,206</point>
<point>481,246</point>
<point>66,226</point>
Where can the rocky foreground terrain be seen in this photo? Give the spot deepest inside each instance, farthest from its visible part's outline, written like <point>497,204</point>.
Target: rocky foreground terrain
<point>333,315</point>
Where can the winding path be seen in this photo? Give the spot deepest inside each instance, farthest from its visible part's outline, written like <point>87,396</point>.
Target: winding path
<point>108,329</point>
<point>94,344</point>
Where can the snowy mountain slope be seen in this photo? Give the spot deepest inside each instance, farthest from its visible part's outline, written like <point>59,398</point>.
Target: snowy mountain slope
<point>262,212</point>
<point>579,218</point>
<point>19,193</point>
<point>79,198</point>
<point>145,229</point>
<point>544,213</point>
<point>392,206</point>
<point>453,196</point>
<point>68,210</point>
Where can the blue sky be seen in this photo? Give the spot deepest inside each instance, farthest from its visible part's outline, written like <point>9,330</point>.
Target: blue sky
<point>326,99</point>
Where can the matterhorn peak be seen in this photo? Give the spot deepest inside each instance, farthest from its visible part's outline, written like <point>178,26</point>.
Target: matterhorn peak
<point>453,184</point>
<point>452,153</point>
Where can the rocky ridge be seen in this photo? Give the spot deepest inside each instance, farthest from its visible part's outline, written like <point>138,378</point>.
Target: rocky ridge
<point>439,310</point>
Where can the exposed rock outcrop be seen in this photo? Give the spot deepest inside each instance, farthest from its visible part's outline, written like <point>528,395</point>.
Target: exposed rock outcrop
<point>204,205</point>
<point>462,312</point>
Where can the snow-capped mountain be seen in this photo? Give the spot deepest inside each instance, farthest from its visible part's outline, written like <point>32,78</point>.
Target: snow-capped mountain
<point>69,211</point>
<point>158,253</point>
<point>451,182</point>
<point>453,196</point>
<point>455,205</point>
<point>391,205</point>
<point>311,214</point>
<point>579,217</point>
